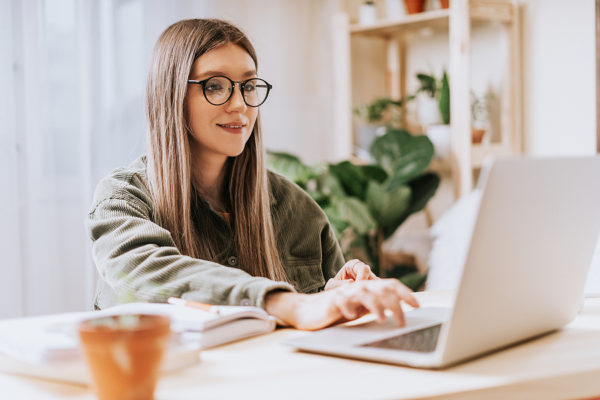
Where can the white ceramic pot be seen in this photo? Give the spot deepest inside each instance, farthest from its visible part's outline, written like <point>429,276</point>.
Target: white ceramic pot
<point>367,14</point>
<point>428,111</point>
<point>440,137</point>
<point>394,9</point>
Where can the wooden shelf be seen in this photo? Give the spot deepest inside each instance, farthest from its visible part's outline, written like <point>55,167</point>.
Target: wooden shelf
<point>455,22</point>
<point>501,12</point>
<point>389,28</point>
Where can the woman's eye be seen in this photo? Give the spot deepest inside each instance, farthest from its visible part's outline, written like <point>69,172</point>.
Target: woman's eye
<point>213,87</point>
<point>249,87</point>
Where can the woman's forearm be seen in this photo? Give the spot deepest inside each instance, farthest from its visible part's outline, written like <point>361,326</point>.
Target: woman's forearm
<point>283,306</point>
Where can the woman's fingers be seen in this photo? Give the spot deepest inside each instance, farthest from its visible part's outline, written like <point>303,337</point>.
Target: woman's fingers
<point>363,272</point>
<point>333,283</point>
<point>376,297</point>
<point>357,270</point>
<point>406,294</point>
<point>374,304</point>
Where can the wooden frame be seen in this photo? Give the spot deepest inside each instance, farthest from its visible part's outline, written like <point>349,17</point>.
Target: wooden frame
<point>457,22</point>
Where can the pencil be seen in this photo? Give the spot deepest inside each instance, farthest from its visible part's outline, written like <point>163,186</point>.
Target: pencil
<point>193,304</point>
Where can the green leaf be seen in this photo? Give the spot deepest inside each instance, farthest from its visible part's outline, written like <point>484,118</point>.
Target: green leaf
<point>423,189</point>
<point>389,148</point>
<point>444,100</point>
<point>354,212</point>
<point>428,84</point>
<point>339,225</point>
<point>388,206</point>
<point>402,155</point>
<point>351,177</point>
<point>414,280</point>
<point>373,172</point>
<point>290,166</point>
<point>330,185</point>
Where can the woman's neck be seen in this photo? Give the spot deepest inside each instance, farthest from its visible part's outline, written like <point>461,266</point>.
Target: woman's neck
<point>209,178</point>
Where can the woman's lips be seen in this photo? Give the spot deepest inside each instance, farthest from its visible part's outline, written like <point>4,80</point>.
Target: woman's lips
<point>233,127</point>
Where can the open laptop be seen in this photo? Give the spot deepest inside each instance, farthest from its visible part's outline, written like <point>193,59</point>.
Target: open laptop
<point>524,273</point>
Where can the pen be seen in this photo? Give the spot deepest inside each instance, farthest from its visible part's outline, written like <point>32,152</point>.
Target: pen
<point>193,304</point>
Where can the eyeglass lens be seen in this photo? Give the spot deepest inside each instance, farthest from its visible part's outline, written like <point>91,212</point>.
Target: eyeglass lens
<point>218,89</point>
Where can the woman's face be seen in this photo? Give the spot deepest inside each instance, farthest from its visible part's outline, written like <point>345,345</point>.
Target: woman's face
<point>221,131</point>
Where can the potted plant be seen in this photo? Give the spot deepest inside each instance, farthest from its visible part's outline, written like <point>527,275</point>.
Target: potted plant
<point>124,354</point>
<point>479,118</point>
<point>414,6</point>
<point>434,111</point>
<point>434,99</point>
<point>367,203</point>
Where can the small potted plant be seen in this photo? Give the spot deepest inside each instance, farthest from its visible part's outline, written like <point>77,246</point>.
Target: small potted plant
<point>439,133</point>
<point>479,118</point>
<point>124,354</point>
<point>414,6</point>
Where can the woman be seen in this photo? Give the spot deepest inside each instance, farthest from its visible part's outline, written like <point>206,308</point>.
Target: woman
<point>200,218</point>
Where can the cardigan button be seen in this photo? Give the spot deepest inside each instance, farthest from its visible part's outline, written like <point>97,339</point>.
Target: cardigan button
<point>245,302</point>
<point>232,261</point>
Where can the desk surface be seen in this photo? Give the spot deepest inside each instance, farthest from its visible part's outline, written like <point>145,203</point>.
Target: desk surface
<point>564,364</point>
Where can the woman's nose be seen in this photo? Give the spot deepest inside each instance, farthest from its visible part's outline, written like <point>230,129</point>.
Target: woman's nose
<point>236,102</point>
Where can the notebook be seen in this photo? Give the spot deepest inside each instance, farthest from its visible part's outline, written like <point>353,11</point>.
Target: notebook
<point>530,251</point>
<point>47,346</point>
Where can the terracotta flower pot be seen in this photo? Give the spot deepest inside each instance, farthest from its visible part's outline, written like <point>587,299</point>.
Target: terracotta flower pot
<point>445,3</point>
<point>414,6</point>
<point>124,354</point>
<point>477,135</point>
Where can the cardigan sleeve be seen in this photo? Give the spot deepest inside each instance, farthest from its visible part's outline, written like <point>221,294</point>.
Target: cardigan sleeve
<point>137,259</point>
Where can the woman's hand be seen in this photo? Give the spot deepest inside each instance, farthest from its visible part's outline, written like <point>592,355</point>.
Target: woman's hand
<point>353,270</point>
<point>344,303</point>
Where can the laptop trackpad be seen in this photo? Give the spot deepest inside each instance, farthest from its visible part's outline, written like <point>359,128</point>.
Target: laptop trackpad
<point>372,333</point>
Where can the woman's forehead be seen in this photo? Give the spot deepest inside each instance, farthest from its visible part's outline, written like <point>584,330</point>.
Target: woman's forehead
<point>229,59</point>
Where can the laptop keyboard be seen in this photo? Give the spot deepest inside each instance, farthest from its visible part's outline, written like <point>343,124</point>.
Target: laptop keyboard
<point>422,340</point>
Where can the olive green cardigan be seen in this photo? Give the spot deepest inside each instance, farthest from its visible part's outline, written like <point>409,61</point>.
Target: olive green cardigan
<point>138,260</point>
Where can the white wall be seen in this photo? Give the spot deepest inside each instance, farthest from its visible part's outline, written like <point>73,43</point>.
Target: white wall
<point>559,77</point>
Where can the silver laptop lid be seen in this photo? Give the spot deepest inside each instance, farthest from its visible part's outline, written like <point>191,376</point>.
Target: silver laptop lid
<point>530,251</point>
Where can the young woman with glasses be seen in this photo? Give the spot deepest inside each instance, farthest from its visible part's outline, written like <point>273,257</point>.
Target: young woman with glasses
<point>201,218</point>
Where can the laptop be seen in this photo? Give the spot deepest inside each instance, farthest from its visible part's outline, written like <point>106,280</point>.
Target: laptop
<point>524,273</point>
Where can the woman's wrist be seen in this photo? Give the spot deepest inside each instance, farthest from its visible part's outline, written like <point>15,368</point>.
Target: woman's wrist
<point>283,306</point>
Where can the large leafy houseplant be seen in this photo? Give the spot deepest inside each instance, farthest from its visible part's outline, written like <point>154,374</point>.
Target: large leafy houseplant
<point>367,203</point>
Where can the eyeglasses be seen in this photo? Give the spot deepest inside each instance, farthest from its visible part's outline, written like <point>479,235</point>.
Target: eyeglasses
<point>219,89</point>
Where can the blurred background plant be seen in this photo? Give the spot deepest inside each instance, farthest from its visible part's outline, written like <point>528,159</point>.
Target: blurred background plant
<point>367,203</point>
<point>434,102</point>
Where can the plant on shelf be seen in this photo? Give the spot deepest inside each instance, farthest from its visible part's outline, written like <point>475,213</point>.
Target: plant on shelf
<point>367,203</point>
<point>480,116</point>
<point>434,105</point>
<point>375,112</point>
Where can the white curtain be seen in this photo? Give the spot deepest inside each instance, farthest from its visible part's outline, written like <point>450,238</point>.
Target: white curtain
<point>72,76</point>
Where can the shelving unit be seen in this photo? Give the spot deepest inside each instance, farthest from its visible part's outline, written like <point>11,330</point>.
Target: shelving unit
<point>456,22</point>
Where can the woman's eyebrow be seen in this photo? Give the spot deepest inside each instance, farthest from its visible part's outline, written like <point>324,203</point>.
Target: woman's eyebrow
<point>206,74</point>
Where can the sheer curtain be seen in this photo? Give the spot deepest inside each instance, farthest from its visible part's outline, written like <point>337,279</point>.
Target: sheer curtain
<point>71,109</point>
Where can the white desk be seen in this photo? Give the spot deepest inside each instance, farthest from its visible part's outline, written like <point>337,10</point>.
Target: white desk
<point>565,364</point>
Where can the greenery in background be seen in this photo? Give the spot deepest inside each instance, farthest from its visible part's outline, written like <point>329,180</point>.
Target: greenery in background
<point>367,203</point>
<point>439,89</point>
<point>444,99</point>
<point>375,112</point>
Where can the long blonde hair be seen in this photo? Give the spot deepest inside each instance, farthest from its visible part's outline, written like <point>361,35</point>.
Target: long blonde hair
<point>170,159</point>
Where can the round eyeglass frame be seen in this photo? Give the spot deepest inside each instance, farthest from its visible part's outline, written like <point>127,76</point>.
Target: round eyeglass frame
<point>241,83</point>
